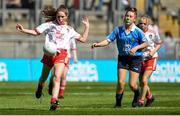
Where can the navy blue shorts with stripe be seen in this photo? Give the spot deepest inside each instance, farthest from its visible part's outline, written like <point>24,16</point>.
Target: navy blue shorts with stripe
<point>132,63</point>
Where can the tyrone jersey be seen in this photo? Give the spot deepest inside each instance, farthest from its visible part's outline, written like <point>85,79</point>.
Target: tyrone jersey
<point>59,34</point>
<point>153,39</point>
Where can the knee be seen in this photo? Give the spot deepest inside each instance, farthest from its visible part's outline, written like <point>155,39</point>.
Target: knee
<point>121,84</point>
<point>56,78</point>
<point>144,83</point>
<point>133,86</point>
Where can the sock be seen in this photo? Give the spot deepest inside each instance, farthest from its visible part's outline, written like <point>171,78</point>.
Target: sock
<point>141,101</point>
<point>136,94</point>
<point>119,99</point>
<point>41,84</point>
<point>53,100</point>
<point>61,90</point>
<point>149,95</point>
<point>50,87</point>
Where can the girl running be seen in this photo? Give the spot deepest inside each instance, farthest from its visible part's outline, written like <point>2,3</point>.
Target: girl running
<point>57,30</point>
<point>150,57</point>
<point>130,42</point>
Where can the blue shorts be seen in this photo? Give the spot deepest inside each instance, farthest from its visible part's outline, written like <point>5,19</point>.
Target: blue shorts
<point>132,63</point>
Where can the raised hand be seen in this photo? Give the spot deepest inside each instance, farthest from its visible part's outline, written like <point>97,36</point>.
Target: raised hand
<point>85,21</point>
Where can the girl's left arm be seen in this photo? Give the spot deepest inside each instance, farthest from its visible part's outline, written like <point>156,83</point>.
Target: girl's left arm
<point>74,52</point>
<point>151,54</point>
<point>84,35</point>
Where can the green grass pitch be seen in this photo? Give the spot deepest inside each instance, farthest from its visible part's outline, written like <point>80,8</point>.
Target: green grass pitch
<point>86,98</point>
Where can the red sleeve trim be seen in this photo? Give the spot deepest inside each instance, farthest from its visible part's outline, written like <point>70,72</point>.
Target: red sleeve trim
<point>37,31</point>
<point>78,39</point>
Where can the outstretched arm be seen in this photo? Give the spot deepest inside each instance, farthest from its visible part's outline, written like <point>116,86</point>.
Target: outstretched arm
<point>100,44</point>
<point>20,28</point>
<point>84,35</point>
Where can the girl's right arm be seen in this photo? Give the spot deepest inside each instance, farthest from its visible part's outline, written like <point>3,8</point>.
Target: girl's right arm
<point>20,28</point>
<point>100,44</point>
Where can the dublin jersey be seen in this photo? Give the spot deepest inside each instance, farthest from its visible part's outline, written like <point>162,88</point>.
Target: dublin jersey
<point>126,41</point>
<point>59,34</point>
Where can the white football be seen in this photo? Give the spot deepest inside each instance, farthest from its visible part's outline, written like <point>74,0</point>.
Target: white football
<point>50,48</point>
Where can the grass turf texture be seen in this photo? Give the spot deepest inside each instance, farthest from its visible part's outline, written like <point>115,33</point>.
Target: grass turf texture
<point>82,98</point>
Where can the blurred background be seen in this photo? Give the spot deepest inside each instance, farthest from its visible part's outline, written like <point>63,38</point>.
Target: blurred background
<point>20,55</point>
<point>104,15</point>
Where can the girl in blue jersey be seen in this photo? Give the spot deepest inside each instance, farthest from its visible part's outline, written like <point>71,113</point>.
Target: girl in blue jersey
<point>130,42</point>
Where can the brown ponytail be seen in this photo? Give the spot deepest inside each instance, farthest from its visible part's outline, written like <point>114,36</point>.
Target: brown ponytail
<point>49,13</point>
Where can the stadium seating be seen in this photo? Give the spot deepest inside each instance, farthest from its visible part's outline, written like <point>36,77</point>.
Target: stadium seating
<point>15,43</point>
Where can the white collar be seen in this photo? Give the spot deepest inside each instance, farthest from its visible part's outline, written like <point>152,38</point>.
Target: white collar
<point>132,29</point>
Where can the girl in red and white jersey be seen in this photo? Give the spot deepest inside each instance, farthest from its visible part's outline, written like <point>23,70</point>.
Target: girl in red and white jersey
<point>56,30</point>
<point>70,50</point>
<point>150,56</point>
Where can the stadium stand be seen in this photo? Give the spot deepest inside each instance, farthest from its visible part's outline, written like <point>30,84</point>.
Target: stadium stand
<point>104,15</point>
